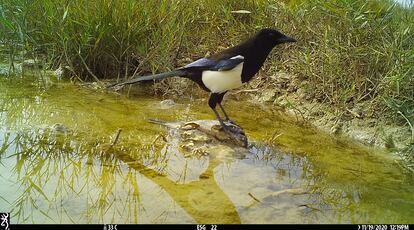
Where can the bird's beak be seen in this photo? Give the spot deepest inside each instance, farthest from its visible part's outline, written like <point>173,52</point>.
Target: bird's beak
<point>287,39</point>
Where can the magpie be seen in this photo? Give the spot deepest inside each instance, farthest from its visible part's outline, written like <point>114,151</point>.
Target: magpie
<point>226,70</point>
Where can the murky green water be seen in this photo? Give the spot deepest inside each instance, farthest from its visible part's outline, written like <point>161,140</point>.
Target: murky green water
<point>57,165</point>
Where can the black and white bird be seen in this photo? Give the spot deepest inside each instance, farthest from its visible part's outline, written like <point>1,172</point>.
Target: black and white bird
<point>226,70</point>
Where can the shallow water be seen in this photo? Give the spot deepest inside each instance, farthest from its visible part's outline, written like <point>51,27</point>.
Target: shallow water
<point>57,165</point>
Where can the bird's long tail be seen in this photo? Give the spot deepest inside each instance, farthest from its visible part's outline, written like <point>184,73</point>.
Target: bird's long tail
<point>175,73</point>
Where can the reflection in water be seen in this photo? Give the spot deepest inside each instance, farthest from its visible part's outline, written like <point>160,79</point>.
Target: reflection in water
<point>55,175</point>
<point>57,165</point>
<point>61,180</point>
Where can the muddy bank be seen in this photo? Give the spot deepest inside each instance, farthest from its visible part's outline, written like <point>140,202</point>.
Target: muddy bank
<point>360,122</point>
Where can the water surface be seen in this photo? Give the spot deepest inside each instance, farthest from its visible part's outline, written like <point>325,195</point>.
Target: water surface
<point>57,165</point>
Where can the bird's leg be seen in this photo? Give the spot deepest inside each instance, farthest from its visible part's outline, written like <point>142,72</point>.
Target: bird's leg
<point>235,133</point>
<point>212,102</point>
<point>224,126</point>
<point>226,117</point>
<point>219,99</point>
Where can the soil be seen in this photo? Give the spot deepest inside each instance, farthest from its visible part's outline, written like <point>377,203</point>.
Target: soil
<point>359,122</point>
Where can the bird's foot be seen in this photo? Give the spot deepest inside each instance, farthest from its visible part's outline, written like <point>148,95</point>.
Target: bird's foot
<point>234,132</point>
<point>230,121</point>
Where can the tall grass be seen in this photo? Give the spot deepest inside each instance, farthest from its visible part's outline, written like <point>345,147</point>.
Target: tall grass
<point>349,51</point>
<point>109,38</point>
<point>363,51</point>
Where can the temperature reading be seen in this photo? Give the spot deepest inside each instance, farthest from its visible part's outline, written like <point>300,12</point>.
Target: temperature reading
<point>213,227</point>
<point>110,227</point>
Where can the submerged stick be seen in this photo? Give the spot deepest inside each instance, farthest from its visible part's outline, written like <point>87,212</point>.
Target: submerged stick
<point>254,198</point>
<point>156,121</point>
<point>116,137</point>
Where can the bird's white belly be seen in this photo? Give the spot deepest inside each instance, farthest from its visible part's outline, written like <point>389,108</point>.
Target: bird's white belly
<point>221,81</point>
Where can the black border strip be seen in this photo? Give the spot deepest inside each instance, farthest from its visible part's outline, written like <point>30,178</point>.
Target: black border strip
<point>213,227</point>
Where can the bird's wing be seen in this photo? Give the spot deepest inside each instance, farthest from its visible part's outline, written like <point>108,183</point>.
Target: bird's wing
<point>201,64</point>
<point>228,64</point>
<point>215,65</point>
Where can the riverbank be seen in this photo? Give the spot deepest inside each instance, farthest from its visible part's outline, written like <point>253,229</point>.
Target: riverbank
<point>359,121</point>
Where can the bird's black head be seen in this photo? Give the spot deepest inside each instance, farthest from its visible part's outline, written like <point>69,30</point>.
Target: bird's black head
<point>273,37</point>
